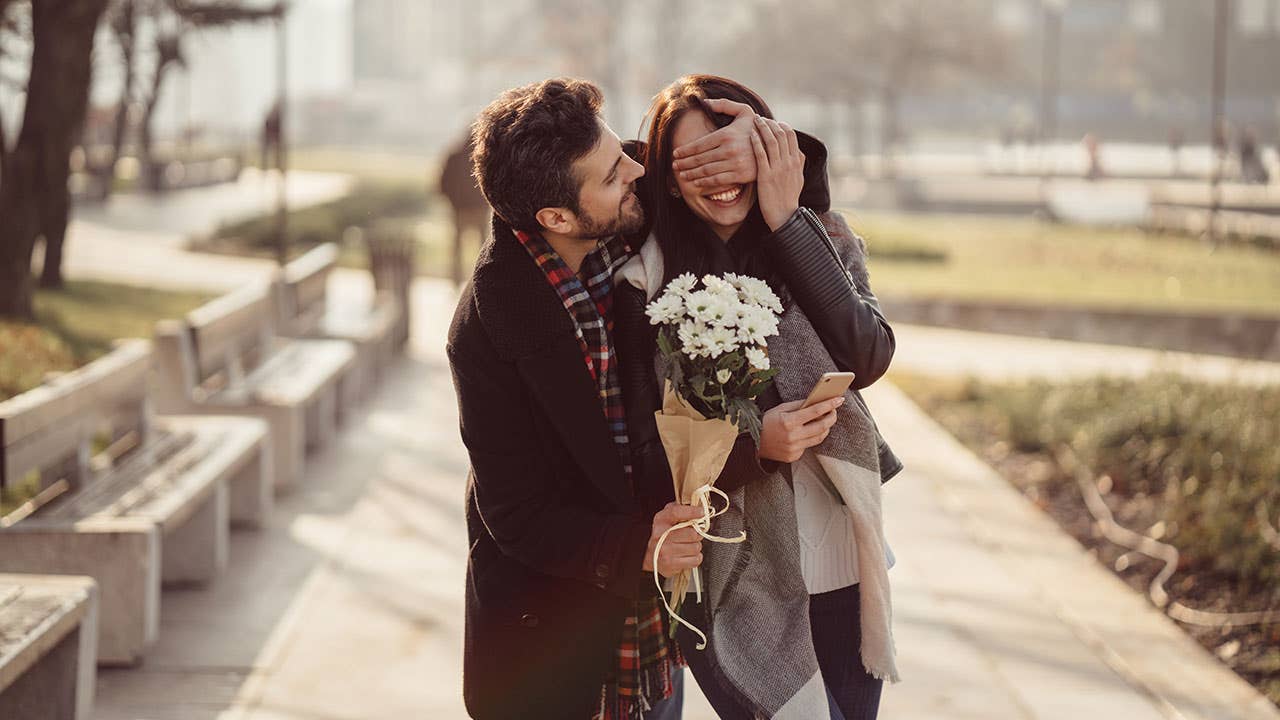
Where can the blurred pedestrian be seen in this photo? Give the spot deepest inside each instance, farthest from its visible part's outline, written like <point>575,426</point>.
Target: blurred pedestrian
<point>1092,149</point>
<point>1252,169</point>
<point>470,211</point>
<point>1176,139</point>
<point>269,141</point>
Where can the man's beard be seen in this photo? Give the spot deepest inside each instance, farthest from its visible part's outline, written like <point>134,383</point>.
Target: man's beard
<point>625,222</point>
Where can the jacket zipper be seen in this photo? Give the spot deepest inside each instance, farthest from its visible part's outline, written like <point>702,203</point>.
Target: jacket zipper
<point>812,218</point>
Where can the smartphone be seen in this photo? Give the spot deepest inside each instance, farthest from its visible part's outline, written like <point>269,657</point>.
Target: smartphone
<point>830,385</point>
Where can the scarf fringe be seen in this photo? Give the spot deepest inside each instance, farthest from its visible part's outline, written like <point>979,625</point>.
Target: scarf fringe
<point>655,684</point>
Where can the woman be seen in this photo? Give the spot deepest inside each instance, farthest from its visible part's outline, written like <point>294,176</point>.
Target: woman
<point>804,603</point>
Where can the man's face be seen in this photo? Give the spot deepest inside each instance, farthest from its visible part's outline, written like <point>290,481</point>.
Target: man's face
<point>607,200</point>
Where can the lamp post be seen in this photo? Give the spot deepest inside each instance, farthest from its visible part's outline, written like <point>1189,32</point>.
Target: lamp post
<point>282,163</point>
<point>1217,121</point>
<point>1050,62</point>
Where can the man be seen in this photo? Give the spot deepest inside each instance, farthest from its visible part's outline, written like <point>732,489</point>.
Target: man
<point>562,619</point>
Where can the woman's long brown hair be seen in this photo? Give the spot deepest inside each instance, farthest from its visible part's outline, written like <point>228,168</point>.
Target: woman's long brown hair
<point>681,235</point>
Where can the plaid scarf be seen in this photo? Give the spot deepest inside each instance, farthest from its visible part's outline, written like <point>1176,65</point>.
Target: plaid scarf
<point>642,674</point>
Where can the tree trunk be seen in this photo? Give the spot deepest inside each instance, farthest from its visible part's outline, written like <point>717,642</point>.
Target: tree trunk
<point>4,144</point>
<point>150,173</point>
<point>124,29</point>
<point>35,190</point>
<point>55,207</point>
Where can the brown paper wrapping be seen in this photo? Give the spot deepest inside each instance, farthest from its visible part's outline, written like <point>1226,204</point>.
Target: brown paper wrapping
<point>697,449</point>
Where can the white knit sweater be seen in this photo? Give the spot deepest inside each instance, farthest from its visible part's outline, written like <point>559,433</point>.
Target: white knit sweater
<point>828,550</point>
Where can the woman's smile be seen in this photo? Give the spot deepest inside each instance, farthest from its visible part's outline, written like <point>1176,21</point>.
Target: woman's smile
<point>726,198</point>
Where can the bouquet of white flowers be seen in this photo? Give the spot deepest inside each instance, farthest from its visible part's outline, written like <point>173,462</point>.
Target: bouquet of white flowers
<point>713,341</point>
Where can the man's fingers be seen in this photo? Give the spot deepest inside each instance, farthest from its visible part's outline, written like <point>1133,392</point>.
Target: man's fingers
<point>732,177</point>
<point>688,153</point>
<point>728,107</point>
<point>709,169</point>
<point>674,567</point>
<point>709,155</point>
<point>675,513</point>
<point>683,536</point>
<point>670,549</point>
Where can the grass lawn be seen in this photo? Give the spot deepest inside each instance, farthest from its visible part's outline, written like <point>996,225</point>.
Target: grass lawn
<point>386,166</point>
<point>1028,260</point>
<point>77,324</point>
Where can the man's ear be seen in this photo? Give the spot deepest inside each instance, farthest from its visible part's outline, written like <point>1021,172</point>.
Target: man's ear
<point>558,220</point>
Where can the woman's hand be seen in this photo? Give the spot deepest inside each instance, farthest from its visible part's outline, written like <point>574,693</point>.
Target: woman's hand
<point>789,430</point>
<point>682,549</point>
<point>779,170</point>
<point>723,157</point>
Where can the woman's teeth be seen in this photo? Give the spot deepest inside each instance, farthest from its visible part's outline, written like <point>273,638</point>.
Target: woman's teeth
<point>727,195</point>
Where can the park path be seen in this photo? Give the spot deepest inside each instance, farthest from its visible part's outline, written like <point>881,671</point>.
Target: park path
<point>348,605</point>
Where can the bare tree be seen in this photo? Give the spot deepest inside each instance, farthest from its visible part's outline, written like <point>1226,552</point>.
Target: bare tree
<point>850,51</point>
<point>34,200</point>
<point>174,21</point>
<point>122,18</point>
<point>10,29</point>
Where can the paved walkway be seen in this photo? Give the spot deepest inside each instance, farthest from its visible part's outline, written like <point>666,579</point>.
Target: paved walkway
<point>945,351</point>
<point>348,606</point>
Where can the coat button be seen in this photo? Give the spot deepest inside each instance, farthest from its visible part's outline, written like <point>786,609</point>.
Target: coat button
<point>529,620</point>
<point>602,571</point>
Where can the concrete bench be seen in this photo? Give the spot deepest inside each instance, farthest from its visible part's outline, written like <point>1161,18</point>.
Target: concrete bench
<point>225,358</point>
<point>306,313</point>
<point>48,636</point>
<point>131,499</point>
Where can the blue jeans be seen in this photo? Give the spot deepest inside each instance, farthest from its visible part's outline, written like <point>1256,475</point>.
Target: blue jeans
<point>671,708</point>
<point>835,624</point>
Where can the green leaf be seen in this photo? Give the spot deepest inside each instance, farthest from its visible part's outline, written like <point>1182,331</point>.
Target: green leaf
<point>732,361</point>
<point>746,415</point>
<point>664,344</point>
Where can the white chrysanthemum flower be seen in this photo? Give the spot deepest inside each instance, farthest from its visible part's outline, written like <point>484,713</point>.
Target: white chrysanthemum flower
<point>688,332</point>
<point>723,376</point>
<point>723,312</point>
<point>758,358</point>
<point>759,323</point>
<point>720,340</point>
<point>683,284</point>
<point>757,292</point>
<point>666,309</point>
<point>698,305</point>
<point>719,287</point>
<point>694,339</point>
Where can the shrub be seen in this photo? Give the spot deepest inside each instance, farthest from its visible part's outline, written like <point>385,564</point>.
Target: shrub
<point>1207,456</point>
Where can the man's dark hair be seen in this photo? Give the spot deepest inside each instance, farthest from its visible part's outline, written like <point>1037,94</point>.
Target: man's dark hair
<point>526,142</point>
